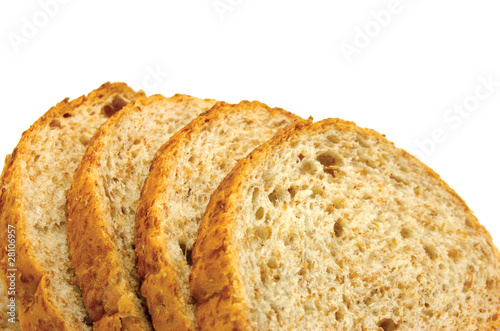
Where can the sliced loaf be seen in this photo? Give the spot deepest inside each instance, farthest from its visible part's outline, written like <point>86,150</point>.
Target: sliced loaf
<point>329,226</point>
<point>34,183</point>
<point>102,203</point>
<point>183,174</point>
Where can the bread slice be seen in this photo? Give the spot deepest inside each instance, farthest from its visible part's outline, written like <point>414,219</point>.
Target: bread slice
<point>329,226</point>
<point>33,195</point>
<point>183,174</point>
<point>102,203</point>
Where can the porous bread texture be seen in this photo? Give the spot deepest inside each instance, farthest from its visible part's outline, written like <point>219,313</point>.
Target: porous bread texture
<point>34,183</point>
<point>183,174</point>
<point>102,203</point>
<point>330,226</point>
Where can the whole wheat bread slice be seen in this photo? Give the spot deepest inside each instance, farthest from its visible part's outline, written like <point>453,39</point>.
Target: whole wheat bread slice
<point>329,226</point>
<point>34,183</point>
<point>183,174</point>
<point>102,203</point>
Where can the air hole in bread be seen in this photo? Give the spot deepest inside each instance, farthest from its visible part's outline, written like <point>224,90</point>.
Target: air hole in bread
<point>367,196</point>
<point>55,124</point>
<point>259,214</point>
<point>467,284</point>
<point>339,315</point>
<point>263,232</point>
<point>41,228</point>
<point>453,253</point>
<point>36,158</point>
<point>388,324</point>
<point>66,115</point>
<point>280,123</point>
<point>273,197</point>
<point>108,111</point>
<point>84,139</point>
<point>191,159</point>
<point>272,263</point>
<point>236,147</point>
<point>329,159</point>
<point>292,191</point>
<point>308,167</point>
<point>290,239</point>
<point>116,104</point>
<point>431,252</point>
<point>469,223</point>
<point>301,156</point>
<point>368,300</point>
<point>332,171</point>
<point>317,191</point>
<point>418,191</point>
<point>405,233</point>
<point>346,300</point>
<point>338,203</point>
<point>333,138</point>
<point>338,229</point>
<point>255,195</point>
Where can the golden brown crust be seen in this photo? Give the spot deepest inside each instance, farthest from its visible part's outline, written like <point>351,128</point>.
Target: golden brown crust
<point>119,322</point>
<point>35,305</point>
<point>98,264</point>
<point>215,278</point>
<point>161,283</point>
<point>166,309</point>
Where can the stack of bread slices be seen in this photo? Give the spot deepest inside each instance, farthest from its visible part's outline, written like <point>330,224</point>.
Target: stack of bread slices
<point>135,212</point>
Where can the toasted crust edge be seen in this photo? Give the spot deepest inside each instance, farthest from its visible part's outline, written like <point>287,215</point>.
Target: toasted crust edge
<point>215,278</point>
<point>35,306</point>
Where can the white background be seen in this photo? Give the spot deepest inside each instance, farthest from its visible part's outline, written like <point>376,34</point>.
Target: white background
<point>427,58</point>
